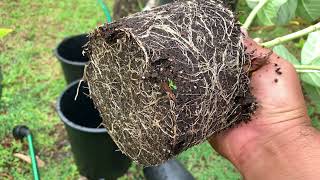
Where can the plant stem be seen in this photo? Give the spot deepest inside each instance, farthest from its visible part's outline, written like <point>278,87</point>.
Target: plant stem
<point>292,36</point>
<point>307,68</point>
<point>253,14</point>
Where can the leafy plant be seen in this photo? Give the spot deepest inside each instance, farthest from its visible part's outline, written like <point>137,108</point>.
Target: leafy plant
<point>309,9</point>
<point>280,12</point>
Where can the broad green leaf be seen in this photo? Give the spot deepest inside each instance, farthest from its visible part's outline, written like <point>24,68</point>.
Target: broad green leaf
<point>312,92</point>
<point>4,32</point>
<point>311,49</point>
<point>252,3</point>
<point>285,54</point>
<point>278,12</point>
<point>310,55</point>
<point>309,9</point>
<point>312,78</point>
<point>287,12</point>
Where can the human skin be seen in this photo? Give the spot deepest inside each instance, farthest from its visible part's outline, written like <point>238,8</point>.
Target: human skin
<point>279,141</point>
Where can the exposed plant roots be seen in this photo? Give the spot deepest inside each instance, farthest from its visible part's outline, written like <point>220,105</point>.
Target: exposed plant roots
<point>167,79</point>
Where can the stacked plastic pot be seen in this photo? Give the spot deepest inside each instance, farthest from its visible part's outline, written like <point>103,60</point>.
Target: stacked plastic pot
<point>96,155</point>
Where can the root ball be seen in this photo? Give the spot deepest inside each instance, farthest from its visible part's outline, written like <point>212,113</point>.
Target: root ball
<point>166,79</point>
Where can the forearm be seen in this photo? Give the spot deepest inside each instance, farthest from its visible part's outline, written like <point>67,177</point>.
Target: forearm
<point>296,155</point>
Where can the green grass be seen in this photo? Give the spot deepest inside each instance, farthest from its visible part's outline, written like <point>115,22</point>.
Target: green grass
<point>33,80</point>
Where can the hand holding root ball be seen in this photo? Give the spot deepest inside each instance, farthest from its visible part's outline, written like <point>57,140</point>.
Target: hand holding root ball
<point>278,142</point>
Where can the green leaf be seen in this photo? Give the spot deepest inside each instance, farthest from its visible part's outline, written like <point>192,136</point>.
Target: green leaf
<point>310,55</point>
<point>300,43</point>
<point>287,12</point>
<point>172,85</point>
<point>312,78</point>
<point>312,92</point>
<point>4,32</point>
<point>278,12</point>
<point>311,49</point>
<point>252,3</point>
<point>309,9</point>
<point>285,54</point>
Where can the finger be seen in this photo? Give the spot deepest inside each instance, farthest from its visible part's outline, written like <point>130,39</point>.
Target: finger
<point>277,89</point>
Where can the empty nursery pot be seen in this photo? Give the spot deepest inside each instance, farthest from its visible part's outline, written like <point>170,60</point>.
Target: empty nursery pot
<point>69,53</point>
<point>95,153</point>
<point>171,169</point>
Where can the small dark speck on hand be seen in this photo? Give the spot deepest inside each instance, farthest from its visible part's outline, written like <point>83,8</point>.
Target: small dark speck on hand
<point>278,71</point>
<point>278,57</point>
<point>275,64</point>
<point>276,80</point>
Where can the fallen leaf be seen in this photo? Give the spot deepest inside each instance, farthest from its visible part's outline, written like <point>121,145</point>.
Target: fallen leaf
<point>6,176</point>
<point>28,159</point>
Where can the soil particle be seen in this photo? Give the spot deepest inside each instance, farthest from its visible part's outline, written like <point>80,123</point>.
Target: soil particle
<point>276,80</point>
<point>278,71</point>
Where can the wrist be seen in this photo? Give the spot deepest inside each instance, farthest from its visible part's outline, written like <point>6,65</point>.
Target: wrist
<point>286,155</point>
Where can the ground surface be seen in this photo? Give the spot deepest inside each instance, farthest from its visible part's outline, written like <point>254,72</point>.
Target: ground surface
<point>33,80</point>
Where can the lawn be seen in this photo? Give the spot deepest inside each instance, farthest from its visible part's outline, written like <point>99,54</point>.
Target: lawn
<point>33,80</point>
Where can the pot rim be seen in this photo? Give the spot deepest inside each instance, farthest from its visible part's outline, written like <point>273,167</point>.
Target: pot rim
<point>62,59</point>
<point>66,121</point>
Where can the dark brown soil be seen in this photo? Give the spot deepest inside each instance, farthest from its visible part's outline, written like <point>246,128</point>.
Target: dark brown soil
<point>278,71</point>
<point>196,47</point>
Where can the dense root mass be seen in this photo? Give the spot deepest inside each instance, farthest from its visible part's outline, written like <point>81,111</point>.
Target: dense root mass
<point>166,79</point>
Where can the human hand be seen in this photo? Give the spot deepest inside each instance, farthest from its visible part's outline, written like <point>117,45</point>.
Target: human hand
<point>278,129</point>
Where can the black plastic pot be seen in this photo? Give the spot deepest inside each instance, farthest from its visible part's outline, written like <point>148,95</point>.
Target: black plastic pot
<point>96,155</point>
<point>171,169</point>
<point>69,53</point>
